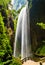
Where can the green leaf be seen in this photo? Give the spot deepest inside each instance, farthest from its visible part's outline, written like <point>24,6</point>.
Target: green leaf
<point>42,25</point>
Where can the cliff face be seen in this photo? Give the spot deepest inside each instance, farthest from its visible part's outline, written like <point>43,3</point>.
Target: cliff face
<point>37,15</point>
<point>7,17</point>
<point>8,22</point>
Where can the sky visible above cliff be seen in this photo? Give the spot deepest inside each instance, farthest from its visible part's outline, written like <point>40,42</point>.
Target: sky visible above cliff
<point>17,4</point>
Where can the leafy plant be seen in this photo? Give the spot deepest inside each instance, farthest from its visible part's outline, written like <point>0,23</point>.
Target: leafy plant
<point>5,43</point>
<point>16,61</point>
<point>5,47</point>
<point>2,28</point>
<point>42,25</point>
<point>4,3</point>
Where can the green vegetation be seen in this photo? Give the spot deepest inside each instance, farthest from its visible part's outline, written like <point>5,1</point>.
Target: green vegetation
<point>8,22</point>
<point>42,25</point>
<point>5,47</point>
<point>16,61</point>
<point>2,28</point>
<point>38,27</point>
<point>30,3</point>
<point>4,3</point>
<point>41,50</point>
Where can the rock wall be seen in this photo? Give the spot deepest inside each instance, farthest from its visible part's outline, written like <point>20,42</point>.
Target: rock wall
<point>37,14</point>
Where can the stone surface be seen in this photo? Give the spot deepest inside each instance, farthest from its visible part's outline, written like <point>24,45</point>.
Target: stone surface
<point>30,62</point>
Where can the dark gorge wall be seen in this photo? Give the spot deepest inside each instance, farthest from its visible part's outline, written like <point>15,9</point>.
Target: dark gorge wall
<point>37,15</point>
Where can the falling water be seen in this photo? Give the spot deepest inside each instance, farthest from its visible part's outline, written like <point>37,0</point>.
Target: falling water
<point>22,45</point>
<point>17,42</point>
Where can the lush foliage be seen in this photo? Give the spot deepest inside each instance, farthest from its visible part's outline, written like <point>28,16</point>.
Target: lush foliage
<point>2,28</point>
<point>16,61</point>
<point>42,25</point>
<point>8,21</point>
<point>5,47</point>
<point>4,3</point>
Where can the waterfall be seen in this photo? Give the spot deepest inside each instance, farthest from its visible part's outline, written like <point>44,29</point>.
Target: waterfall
<point>12,2</point>
<point>22,44</point>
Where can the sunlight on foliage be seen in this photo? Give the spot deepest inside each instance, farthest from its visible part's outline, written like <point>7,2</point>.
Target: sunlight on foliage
<point>2,28</point>
<point>42,25</point>
<point>16,61</point>
<point>4,3</point>
<point>8,22</point>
